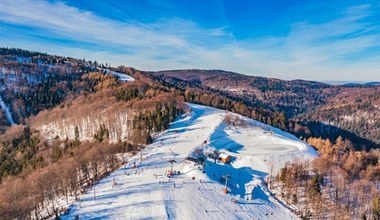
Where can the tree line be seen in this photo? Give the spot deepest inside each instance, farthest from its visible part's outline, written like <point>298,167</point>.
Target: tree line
<point>340,184</point>
<point>154,120</point>
<point>37,194</point>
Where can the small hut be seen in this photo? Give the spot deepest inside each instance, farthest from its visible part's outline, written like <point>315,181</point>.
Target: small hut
<point>225,158</point>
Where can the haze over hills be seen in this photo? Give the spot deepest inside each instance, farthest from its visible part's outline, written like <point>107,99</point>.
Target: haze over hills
<point>363,84</point>
<point>355,83</point>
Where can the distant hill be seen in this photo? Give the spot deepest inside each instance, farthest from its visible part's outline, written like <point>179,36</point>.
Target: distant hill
<point>291,97</point>
<point>368,84</point>
<point>372,84</point>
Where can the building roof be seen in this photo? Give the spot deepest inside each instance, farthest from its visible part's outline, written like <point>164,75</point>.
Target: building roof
<point>224,156</point>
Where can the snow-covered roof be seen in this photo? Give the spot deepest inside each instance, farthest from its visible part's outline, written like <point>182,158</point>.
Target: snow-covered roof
<point>224,156</point>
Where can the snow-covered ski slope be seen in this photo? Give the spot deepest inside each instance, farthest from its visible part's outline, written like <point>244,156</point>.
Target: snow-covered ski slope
<point>146,192</point>
<point>7,112</point>
<point>123,77</point>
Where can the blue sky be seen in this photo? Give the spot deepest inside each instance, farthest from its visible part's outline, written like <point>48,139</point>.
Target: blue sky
<point>316,40</point>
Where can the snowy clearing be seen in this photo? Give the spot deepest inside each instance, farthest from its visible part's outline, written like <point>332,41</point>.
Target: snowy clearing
<point>7,112</point>
<point>142,190</point>
<point>123,77</point>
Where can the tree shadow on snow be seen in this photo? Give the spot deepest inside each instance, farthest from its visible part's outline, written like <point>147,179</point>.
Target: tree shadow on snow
<point>220,140</point>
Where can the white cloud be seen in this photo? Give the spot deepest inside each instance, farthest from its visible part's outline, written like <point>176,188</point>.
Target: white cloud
<point>309,51</point>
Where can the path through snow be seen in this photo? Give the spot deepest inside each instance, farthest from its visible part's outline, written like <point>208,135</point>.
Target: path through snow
<point>8,114</point>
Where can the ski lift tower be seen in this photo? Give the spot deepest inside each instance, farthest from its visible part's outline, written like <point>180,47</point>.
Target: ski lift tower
<point>171,168</point>
<point>226,177</point>
<point>270,176</point>
<point>141,155</point>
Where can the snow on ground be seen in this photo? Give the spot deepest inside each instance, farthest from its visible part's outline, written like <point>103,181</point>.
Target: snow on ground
<point>7,112</point>
<point>145,192</point>
<point>260,146</point>
<point>123,77</point>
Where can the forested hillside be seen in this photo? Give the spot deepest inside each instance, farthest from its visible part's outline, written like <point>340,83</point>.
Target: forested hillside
<point>70,110</point>
<point>290,97</point>
<point>355,112</point>
<point>89,106</point>
<point>32,81</point>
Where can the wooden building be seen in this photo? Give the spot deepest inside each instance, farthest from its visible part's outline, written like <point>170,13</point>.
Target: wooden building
<point>225,158</point>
